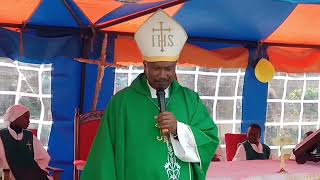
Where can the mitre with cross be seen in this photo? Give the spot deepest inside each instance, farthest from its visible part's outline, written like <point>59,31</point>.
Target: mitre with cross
<point>160,38</point>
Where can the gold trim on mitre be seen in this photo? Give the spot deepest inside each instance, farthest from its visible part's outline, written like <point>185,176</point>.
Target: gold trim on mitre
<point>161,58</point>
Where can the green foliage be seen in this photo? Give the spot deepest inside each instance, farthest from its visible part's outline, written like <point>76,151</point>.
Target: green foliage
<point>311,94</point>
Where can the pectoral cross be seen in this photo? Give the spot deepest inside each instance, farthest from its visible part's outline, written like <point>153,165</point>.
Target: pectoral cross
<point>102,64</point>
<point>29,145</point>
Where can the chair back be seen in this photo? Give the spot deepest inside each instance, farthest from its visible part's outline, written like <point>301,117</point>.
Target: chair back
<point>232,141</point>
<point>34,132</point>
<point>86,127</point>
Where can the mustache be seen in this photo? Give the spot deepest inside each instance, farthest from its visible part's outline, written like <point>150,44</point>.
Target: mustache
<point>162,80</point>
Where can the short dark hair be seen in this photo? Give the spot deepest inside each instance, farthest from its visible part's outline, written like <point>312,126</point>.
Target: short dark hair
<point>255,126</point>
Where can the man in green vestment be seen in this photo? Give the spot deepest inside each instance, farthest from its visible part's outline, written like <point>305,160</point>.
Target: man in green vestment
<point>135,141</point>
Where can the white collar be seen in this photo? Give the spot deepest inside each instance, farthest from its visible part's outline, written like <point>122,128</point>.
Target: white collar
<point>15,135</point>
<point>154,92</point>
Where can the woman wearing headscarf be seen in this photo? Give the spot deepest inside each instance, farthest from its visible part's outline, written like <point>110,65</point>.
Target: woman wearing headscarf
<point>20,150</point>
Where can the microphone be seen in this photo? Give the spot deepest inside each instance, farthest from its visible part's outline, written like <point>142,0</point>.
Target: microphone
<point>161,99</point>
<point>162,103</point>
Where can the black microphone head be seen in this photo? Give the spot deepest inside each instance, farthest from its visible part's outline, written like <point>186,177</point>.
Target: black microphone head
<point>161,99</point>
<point>160,92</point>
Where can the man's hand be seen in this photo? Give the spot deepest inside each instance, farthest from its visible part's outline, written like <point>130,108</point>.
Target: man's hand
<point>167,123</point>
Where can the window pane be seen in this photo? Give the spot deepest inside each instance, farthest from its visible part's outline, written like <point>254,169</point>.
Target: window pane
<point>47,109</point>
<point>239,109</point>
<point>137,67</point>
<point>312,90</point>
<point>273,112</point>
<point>240,86</point>
<point>186,68</point>
<point>294,90</point>
<point>227,86</point>
<point>46,82</point>
<point>229,70</point>
<point>123,68</point>
<point>292,132</point>
<point>280,74</point>
<point>5,102</point>
<point>45,134</point>
<point>291,112</point>
<point>8,78</point>
<point>33,104</point>
<point>271,134</point>
<point>224,109</point>
<point>29,83</point>
<point>295,75</point>
<point>276,89</point>
<point>274,152</point>
<point>121,81</point>
<point>206,85</point>
<point>186,80</point>
<point>205,69</point>
<point>310,112</point>
<point>312,74</point>
<point>223,129</point>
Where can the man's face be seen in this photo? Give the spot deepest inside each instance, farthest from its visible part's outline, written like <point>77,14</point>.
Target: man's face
<point>253,135</point>
<point>160,74</point>
<point>22,121</point>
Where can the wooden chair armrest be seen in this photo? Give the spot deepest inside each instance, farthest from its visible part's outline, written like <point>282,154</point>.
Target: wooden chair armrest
<point>79,164</point>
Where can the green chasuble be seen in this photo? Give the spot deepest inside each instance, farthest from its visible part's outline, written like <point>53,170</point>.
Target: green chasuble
<point>127,146</point>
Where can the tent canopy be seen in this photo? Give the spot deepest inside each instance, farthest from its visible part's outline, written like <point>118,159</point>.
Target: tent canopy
<point>272,21</point>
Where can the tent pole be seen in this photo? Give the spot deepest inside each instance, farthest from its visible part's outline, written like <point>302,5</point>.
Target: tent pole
<point>85,54</point>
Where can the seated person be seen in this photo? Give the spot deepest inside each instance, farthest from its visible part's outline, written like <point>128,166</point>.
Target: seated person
<point>20,151</point>
<point>252,149</point>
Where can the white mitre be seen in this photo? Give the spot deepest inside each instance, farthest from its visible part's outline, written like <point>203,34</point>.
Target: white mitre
<point>160,38</point>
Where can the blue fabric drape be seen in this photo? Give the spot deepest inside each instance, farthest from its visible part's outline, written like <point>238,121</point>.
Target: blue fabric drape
<point>254,102</point>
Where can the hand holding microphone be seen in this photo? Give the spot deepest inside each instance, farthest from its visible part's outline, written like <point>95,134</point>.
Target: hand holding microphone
<point>166,121</point>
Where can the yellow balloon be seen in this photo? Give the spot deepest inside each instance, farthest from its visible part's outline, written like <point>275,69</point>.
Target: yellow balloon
<point>264,71</point>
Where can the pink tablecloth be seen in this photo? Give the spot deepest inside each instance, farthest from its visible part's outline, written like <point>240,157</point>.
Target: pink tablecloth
<point>262,169</point>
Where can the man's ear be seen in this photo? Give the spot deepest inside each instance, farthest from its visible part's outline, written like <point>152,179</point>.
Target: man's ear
<point>145,68</point>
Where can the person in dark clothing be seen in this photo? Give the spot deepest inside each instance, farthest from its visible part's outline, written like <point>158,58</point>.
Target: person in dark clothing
<point>252,149</point>
<point>20,150</point>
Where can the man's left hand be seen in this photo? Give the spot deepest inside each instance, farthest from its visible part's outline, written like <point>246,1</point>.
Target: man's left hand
<point>167,123</point>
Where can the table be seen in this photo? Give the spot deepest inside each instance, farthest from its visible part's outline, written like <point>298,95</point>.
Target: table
<point>262,170</point>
